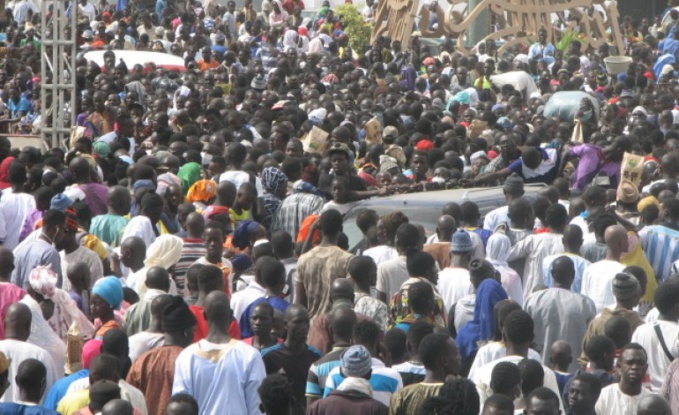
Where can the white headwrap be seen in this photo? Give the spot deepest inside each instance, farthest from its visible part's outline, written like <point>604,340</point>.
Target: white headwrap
<point>164,252</point>
<point>290,40</point>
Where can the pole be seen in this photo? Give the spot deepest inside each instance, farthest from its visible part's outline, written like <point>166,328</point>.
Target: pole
<point>480,27</point>
<point>58,93</point>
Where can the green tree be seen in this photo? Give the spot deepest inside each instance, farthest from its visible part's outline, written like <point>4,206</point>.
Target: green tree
<point>354,26</point>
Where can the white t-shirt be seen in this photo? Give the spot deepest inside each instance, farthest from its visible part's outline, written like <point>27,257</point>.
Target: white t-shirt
<point>658,362</point>
<point>391,275</point>
<point>597,282</point>
<point>496,217</point>
<point>238,177</point>
<point>453,284</point>
<point>381,253</point>
<point>144,341</point>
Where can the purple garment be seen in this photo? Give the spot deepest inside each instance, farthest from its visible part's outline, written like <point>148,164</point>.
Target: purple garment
<point>408,78</point>
<point>29,223</point>
<point>590,158</point>
<point>78,301</point>
<point>96,196</point>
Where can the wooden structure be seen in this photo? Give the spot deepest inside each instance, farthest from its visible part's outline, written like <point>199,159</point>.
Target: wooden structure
<point>523,19</point>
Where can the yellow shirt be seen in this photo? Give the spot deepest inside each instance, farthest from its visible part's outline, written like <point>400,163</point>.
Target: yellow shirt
<point>93,243</point>
<point>235,217</point>
<point>74,402</point>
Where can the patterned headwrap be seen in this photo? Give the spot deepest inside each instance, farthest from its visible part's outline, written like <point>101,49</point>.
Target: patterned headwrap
<point>273,179</point>
<point>202,191</point>
<point>71,220</point>
<point>43,280</point>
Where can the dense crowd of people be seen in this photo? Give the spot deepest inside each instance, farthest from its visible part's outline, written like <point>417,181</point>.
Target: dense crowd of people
<point>185,251</point>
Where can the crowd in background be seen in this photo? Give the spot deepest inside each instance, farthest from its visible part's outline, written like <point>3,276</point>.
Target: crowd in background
<point>185,251</point>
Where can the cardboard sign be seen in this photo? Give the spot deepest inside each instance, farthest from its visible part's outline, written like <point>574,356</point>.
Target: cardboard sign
<point>373,132</point>
<point>631,168</point>
<point>316,141</point>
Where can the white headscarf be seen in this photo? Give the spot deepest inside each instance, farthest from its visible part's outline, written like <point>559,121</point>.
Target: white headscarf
<point>164,252</point>
<point>497,252</point>
<point>43,336</point>
<point>316,46</point>
<point>497,249</point>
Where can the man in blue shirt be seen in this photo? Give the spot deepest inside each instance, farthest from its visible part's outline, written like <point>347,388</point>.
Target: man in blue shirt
<point>542,49</point>
<point>536,165</point>
<point>17,105</point>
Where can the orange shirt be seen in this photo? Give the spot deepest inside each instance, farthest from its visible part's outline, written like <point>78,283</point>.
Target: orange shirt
<point>111,324</point>
<point>204,66</point>
<point>201,325</point>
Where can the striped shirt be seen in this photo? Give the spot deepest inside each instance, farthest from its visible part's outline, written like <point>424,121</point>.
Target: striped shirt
<point>265,55</point>
<point>385,381</point>
<point>661,246</point>
<point>193,250</point>
<point>319,371</point>
<point>670,387</point>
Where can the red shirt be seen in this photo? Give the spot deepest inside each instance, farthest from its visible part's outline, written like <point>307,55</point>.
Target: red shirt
<point>201,325</point>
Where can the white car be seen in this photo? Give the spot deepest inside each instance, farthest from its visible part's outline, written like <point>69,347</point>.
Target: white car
<point>134,57</point>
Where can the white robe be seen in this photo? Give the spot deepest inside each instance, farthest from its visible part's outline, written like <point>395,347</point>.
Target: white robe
<point>44,337</point>
<point>613,402</point>
<point>535,248</point>
<point>220,376</point>
<point>560,314</point>
<point>16,352</point>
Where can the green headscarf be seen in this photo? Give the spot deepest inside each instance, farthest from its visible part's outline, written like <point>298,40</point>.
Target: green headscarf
<point>189,173</point>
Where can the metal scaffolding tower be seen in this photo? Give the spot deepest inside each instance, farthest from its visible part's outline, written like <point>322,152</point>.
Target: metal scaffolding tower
<point>57,73</point>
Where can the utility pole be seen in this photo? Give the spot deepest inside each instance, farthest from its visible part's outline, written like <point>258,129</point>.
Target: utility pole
<point>480,27</point>
<point>57,72</point>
